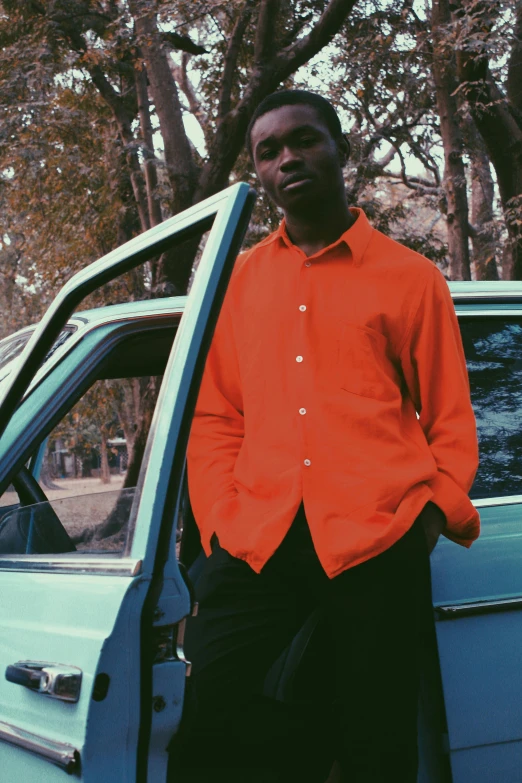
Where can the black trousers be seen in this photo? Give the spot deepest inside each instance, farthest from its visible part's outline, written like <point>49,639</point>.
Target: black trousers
<point>378,615</point>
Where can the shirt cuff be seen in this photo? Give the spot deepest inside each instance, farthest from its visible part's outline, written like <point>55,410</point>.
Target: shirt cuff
<point>462,518</point>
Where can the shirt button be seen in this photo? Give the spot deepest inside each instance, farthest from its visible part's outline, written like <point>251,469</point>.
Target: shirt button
<point>302,411</point>
<point>299,358</point>
<point>308,263</point>
<point>307,462</point>
<point>302,308</point>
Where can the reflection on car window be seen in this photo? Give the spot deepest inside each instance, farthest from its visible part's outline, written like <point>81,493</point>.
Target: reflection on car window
<point>493,350</point>
<point>88,523</point>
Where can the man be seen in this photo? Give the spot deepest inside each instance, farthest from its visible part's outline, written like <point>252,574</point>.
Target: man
<point>333,441</point>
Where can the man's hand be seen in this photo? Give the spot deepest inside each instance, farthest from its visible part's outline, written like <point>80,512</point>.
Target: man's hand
<point>434,522</point>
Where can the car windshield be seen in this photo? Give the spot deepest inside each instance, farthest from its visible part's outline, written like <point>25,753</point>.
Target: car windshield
<point>12,347</point>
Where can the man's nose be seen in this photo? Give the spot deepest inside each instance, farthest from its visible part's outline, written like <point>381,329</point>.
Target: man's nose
<point>289,159</point>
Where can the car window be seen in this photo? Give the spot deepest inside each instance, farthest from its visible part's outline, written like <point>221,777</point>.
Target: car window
<point>87,474</point>
<point>86,452</point>
<point>12,347</point>
<point>493,348</point>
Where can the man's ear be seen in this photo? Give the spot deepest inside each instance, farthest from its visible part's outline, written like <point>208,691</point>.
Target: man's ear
<point>344,149</point>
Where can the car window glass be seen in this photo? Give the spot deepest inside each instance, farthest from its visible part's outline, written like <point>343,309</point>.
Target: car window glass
<point>11,347</point>
<point>87,474</point>
<point>493,350</point>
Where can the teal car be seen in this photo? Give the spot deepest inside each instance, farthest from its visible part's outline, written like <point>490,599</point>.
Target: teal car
<point>96,583</point>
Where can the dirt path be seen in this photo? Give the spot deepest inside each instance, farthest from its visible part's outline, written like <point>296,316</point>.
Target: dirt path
<point>72,487</point>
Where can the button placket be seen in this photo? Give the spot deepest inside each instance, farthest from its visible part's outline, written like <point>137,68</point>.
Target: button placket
<point>302,377</point>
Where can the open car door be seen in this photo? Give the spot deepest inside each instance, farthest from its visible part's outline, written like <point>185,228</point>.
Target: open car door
<point>92,669</point>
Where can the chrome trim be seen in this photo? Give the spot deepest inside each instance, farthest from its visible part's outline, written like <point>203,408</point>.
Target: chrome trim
<point>59,753</point>
<point>99,566</point>
<point>452,611</point>
<point>508,500</point>
<point>468,295</point>
<point>515,311</point>
<point>481,289</point>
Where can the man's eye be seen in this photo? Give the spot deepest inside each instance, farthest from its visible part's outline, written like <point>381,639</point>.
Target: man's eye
<point>306,141</point>
<point>268,154</point>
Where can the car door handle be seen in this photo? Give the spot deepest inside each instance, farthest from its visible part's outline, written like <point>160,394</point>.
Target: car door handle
<point>52,679</point>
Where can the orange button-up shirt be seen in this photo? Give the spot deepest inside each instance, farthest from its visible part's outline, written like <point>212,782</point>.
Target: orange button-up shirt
<point>338,380</point>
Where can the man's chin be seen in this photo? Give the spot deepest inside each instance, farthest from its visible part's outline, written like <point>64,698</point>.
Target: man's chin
<point>301,203</point>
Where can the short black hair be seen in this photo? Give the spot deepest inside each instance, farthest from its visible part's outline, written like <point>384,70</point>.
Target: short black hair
<point>291,98</point>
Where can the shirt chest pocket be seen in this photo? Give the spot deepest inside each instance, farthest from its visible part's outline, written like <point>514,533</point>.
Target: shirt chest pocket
<point>364,367</point>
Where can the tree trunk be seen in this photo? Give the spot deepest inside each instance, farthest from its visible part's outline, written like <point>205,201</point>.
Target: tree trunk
<point>455,187</point>
<point>482,197</point>
<point>498,117</point>
<point>105,473</point>
<point>149,396</point>
<point>149,160</point>
<point>178,155</point>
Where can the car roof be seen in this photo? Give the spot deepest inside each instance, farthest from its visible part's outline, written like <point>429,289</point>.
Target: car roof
<point>145,307</point>
<point>85,320</point>
<point>494,290</point>
<point>118,312</point>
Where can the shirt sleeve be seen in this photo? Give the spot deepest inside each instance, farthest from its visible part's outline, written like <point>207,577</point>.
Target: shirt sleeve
<point>434,366</point>
<point>217,431</point>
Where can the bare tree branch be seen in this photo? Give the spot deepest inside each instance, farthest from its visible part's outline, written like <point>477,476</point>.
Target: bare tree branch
<point>124,122</point>
<point>386,159</point>
<point>265,38</point>
<point>411,183</point>
<point>182,43</point>
<point>180,164</point>
<point>230,62</point>
<point>264,79</point>
<point>292,57</point>
<point>149,163</point>
<point>183,80</point>
<point>425,158</point>
<point>415,183</point>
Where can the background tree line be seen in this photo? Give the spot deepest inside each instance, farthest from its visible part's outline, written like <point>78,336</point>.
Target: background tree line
<point>96,97</point>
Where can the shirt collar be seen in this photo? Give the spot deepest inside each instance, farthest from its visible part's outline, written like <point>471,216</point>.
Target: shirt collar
<point>356,238</point>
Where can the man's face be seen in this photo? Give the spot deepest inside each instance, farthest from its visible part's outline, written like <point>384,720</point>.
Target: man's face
<point>297,160</point>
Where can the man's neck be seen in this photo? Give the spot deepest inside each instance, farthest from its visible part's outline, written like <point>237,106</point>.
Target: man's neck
<point>313,232</point>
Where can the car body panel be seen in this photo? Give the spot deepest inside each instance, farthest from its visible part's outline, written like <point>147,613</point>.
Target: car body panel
<point>79,629</point>
<point>477,595</point>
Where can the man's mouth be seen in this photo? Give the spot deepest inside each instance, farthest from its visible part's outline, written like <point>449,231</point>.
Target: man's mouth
<point>294,181</point>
